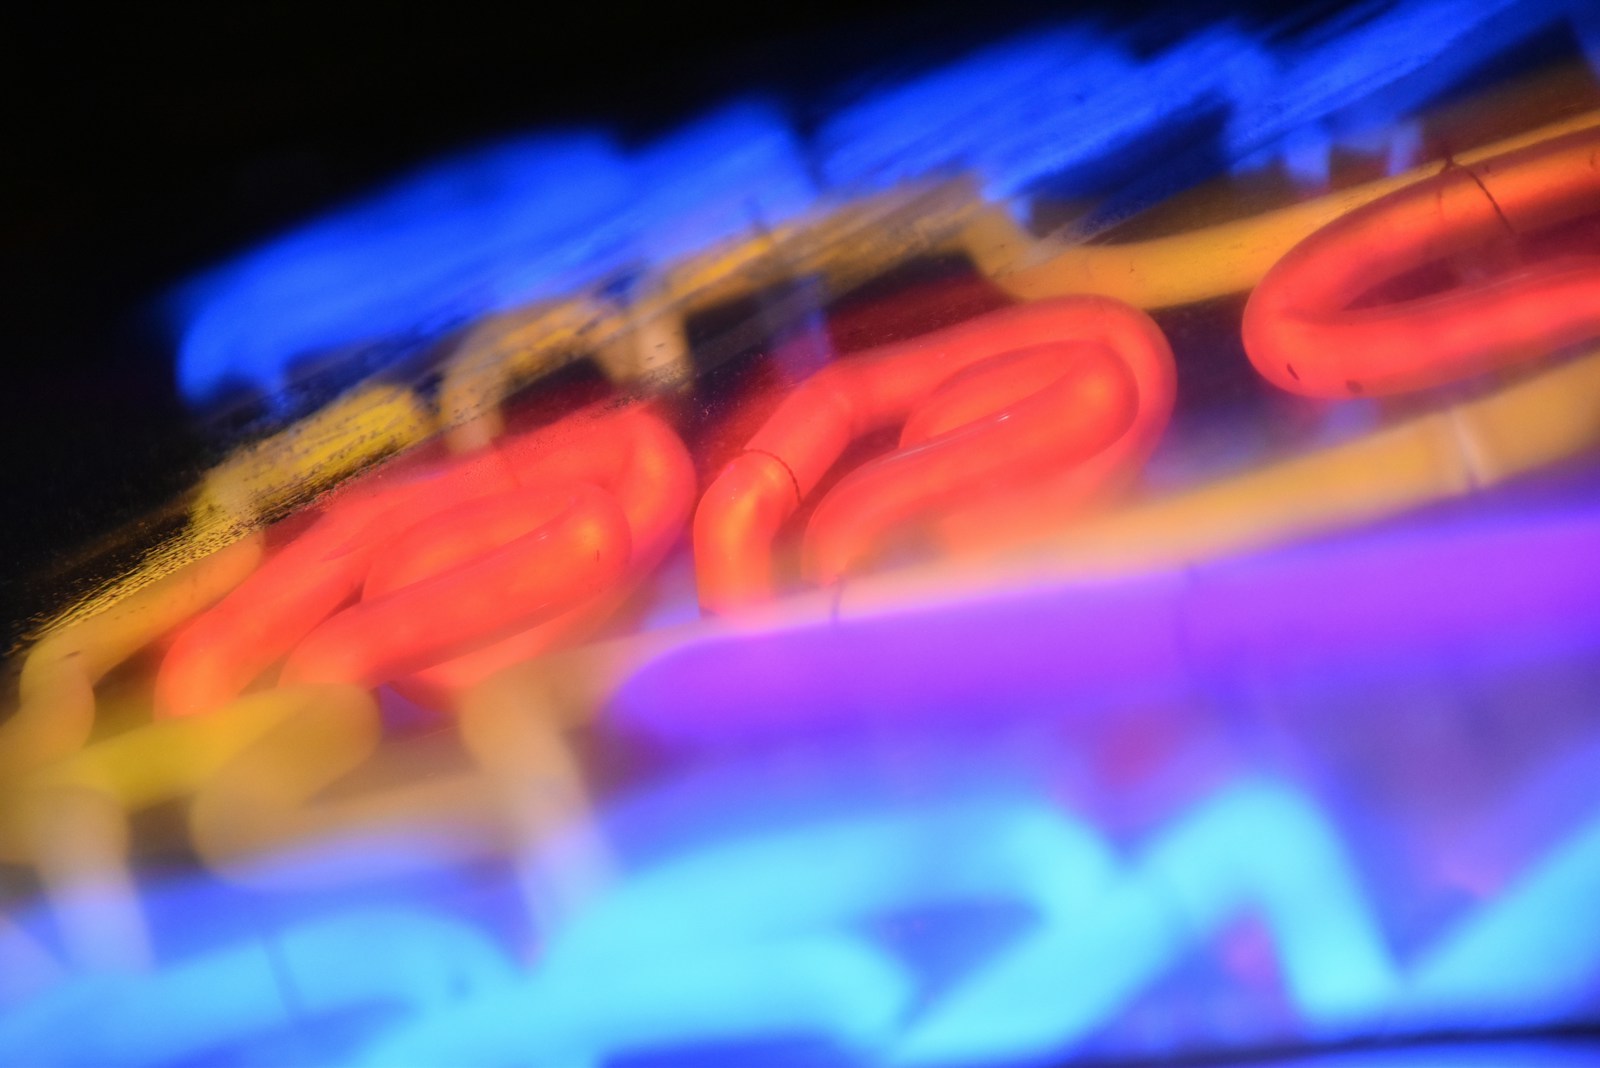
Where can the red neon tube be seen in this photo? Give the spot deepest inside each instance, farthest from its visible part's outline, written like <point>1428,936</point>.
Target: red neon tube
<point>1061,398</point>
<point>457,571</point>
<point>1301,331</point>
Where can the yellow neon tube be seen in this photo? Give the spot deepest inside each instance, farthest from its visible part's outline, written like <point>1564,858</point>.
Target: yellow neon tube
<point>56,710</point>
<point>1210,262</point>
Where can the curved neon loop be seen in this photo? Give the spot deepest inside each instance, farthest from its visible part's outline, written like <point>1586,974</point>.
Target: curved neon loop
<point>1063,398</point>
<point>442,562</point>
<point>1302,336</point>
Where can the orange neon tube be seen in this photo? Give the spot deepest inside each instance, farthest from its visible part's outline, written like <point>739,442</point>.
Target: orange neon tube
<point>1302,333</point>
<point>456,571</point>
<point>1060,397</point>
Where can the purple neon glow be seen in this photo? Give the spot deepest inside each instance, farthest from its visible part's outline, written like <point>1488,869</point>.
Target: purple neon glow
<point>1458,594</point>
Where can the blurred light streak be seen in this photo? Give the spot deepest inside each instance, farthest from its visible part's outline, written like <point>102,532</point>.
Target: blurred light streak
<point>1372,65</point>
<point>434,250</point>
<point>1061,102</point>
<point>1064,106</point>
<point>518,222</point>
<point>270,477</point>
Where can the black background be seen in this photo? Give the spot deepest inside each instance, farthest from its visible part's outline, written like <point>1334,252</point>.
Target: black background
<point>141,150</point>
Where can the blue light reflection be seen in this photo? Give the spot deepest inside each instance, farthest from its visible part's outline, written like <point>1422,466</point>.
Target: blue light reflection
<point>505,226</point>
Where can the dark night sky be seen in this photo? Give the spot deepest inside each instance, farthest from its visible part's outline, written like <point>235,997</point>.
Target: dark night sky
<point>140,151</point>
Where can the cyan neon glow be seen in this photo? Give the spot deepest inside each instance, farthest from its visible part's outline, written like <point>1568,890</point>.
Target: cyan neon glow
<point>1258,848</point>
<point>828,986</point>
<point>1533,958</point>
<point>772,924</point>
<point>771,935</point>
